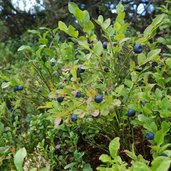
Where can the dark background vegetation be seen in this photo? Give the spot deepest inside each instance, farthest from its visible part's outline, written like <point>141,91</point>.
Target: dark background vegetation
<point>14,22</point>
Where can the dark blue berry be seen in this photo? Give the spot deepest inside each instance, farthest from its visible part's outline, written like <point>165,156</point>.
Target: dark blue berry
<point>154,64</point>
<point>15,88</point>
<point>105,44</point>
<point>18,88</point>
<point>98,98</point>
<point>78,94</point>
<point>52,63</point>
<point>150,136</point>
<point>60,99</point>
<point>138,48</point>
<point>80,70</point>
<point>106,69</point>
<point>131,112</point>
<point>74,117</point>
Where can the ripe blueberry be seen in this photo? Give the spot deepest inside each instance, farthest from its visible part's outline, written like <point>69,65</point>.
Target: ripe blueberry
<point>154,64</point>
<point>80,70</point>
<point>18,88</point>
<point>78,94</point>
<point>74,117</point>
<point>131,112</point>
<point>138,48</point>
<point>60,99</point>
<point>106,69</point>
<point>150,136</point>
<point>105,44</point>
<point>52,62</point>
<point>98,98</point>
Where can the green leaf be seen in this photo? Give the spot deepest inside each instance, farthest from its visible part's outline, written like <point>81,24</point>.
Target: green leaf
<point>88,26</point>
<point>152,54</point>
<point>140,166</point>
<point>114,147</point>
<point>72,31</point>
<point>87,167</point>
<point>100,19</point>
<point>33,169</point>
<point>19,158</point>
<point>117,26</point>
<point>159,137</point>
<point>79,14</point>
<point>1,128</point>
<point>71,7</point>
<point>168,62</point>
<point>106,23</point>
<point>161,164</point>
<point>25,47</point>
<point>62,26</point>
<point>38,52</point>
<point>119,8</point>
<point>141,59</point>
<point>34,32</point>
<point>130,154</point>
<point>43,41</point>
<point>98,48</point>
<point>105,158</point>
<point>158,19</point>
<point>70,165</point>
<point>47,168</point>
<point>5,85</point>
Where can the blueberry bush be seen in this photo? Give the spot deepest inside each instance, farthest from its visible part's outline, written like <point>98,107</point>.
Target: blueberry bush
<point>86,104</point>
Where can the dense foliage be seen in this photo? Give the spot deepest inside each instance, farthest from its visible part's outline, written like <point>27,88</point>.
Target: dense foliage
<point>80,102</point>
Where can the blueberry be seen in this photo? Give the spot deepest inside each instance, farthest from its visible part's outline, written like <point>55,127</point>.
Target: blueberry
<point>15,88</point>
<point>105,44</point>
<point>150,136</point>
<point>131,112</point>
<point>80,70</point>
<point>65,79</point>
<point>98,98</point>
<point>18,88</point>
<point>106,69</point>
<point>60,99</point>
<point>74,117</point>
<point>78,94</point>
<point>138,48</point>
<point>52,64</point>
<point>154,64</point>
